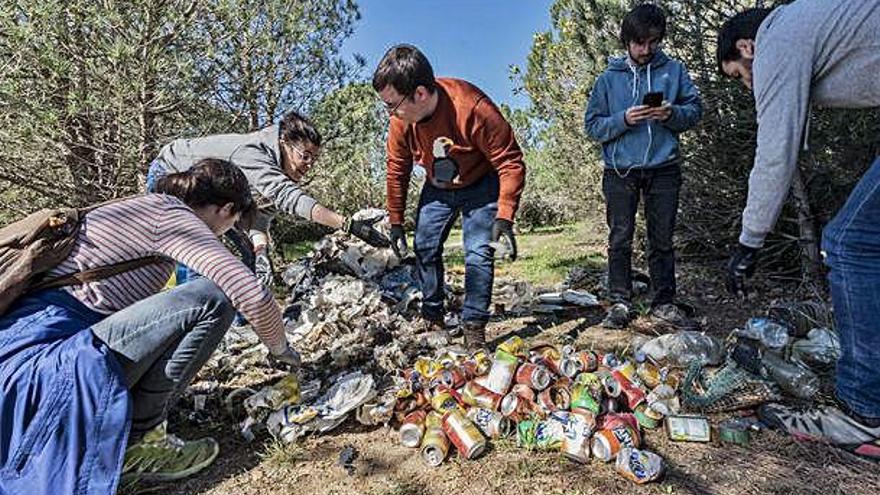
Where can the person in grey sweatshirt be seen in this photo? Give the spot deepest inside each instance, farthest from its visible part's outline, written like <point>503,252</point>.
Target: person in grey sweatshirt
<point>642,158</point>
<point>825,53</point>
<point>274,160</point>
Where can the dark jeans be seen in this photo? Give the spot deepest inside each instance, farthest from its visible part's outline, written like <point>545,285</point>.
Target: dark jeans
<point>438,210</point>
<point>851,243</point>
<point>162,341</point>
<point>659,187</point>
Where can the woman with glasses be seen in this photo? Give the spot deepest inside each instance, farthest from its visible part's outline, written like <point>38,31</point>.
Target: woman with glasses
<point>274,160</point>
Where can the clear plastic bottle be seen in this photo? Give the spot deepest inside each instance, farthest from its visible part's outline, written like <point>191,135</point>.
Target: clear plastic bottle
<point>791,378</point>
<point>682,348</point>
<point>771,334</point>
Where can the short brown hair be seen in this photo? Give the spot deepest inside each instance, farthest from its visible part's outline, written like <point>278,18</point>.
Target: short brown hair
<point>294,128</point>
<point>405,68</point>
<point>211,181</point>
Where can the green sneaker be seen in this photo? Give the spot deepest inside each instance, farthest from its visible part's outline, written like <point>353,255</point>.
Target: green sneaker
<point>160,456</point>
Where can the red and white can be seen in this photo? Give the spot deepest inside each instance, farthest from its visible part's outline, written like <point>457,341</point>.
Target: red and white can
<point>476,395</point>
<point>501,373</point>
<point>413,428</point>
<point>435,445</point>
<point>533,375</point>
<point>463,434</point>
<point>493,424</point>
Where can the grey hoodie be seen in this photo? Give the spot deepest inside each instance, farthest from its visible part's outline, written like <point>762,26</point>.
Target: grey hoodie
<point>256,154</point>
<point>825,52</point>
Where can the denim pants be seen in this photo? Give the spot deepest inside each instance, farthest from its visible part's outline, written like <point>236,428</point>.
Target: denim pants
<point>438,210</point>
<point>162,341</point>
<point>659,187</point>
<point>851,243</point>
<point>238,239</point>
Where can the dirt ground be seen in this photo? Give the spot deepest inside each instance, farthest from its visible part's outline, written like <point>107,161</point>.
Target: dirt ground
<point>771,464</point>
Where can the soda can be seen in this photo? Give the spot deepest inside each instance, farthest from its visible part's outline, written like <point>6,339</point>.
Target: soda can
<point>513,345</point>
<point>646,416</point>
<point>610,360</point>
<point>453,377</point>
<point>627,369</point>
<point>589,361</point>
<point>463,434</point>
<point>607,443</point>
<point>546,434</point>
<point>517,408</point>
<point>649,374</point>
<point>556,397</point>
<point>413,428</point>
<point>634,395</point>
<point>493,424</point>
<point>568,350</point>
<point>593,383</point>
<point>569,366</point>
<point>443,401</point>
<point>533,375</point>
<point>476,395</point>
<point>501,373</point>
<point>640,466</point>
<point>523,391</point>
<point>609,384</point>
<point>576,441</point>
<point>582,399</point>
<point>435,445</point>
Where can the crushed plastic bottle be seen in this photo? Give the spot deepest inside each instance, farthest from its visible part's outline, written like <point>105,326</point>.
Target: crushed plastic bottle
<point>683,348</point>
<point>801,317</point>
<point>791,378</point>
<point>820,349</point>
<point>766,331</point>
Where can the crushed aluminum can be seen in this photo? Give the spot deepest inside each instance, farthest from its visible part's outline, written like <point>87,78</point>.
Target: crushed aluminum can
<point>569,366</point>
<point>533,375</point>
<point>647,417</point>
<point>609,360</point>
<point>443,401</point>
<point>634,395</point>
<point>627,369</point>
<point>593,383</point>
<point>581,398</point>
<point>577,432</point>
<point>476,395</point>
<point>517,407</point>
<point>435,445</point>
<point>649,374</point>
<point>493,424</point>
<point>413,428</point>
<point>589,361</point>
<point>546,434</point>
<point>513,345</point>
<point>556,397</point>
<point>609,383</point>
<point>617,432</point>
<point>463,434</point>
<point>640,466</point>
<point>453,377</point>
<point>502,372</point>
<point>684,428</point>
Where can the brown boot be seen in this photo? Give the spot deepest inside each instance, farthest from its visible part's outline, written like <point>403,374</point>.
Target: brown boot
<point>425,325</point>
<point>474,336</point>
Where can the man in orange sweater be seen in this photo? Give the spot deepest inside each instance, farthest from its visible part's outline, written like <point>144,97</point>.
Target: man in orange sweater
<point>473,166</point>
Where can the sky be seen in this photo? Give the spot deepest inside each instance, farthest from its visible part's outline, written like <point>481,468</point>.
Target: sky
<point>475,40</point>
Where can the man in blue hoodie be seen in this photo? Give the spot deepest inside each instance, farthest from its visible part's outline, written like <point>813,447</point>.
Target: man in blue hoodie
<point>642,159</point>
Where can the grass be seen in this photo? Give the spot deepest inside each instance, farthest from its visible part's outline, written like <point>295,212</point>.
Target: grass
<point>546,254</point>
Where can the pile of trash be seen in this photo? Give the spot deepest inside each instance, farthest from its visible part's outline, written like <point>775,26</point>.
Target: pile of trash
<point>549,397</point>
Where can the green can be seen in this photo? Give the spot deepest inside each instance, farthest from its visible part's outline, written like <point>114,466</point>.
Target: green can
<point>582,398</point>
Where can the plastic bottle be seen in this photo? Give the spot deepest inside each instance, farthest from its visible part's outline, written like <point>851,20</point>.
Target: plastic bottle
<point>820,349</point>
<point>766,331</point>
<point>801,317</point>
<point>791,378</point>
<point>682,348</point>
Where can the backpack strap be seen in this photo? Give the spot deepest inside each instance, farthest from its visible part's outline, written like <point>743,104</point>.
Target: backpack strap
<point>99,273</point>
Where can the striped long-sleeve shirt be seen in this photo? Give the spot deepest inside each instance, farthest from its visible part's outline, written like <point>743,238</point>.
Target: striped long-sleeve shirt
<point>164,225</point>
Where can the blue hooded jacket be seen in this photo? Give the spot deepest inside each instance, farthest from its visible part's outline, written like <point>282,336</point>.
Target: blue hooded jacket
<point>623,85</point>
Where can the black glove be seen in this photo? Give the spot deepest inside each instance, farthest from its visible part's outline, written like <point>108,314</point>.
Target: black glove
<point>289,358</point>
<point>741,266</point>
<point>504,228</point>
<point>263,268</point>
<point>364,230</point>
<point>398,241</point>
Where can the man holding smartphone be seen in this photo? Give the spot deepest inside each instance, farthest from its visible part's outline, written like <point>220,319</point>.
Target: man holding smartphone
<point>638,129</point>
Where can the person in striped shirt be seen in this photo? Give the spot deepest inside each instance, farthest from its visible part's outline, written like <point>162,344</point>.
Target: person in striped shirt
<point>106,341</point>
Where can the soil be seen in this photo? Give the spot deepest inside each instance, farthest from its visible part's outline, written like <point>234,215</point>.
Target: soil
<point>771,464</point>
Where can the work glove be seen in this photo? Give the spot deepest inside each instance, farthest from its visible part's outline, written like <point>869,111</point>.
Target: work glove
<point>263,267</point>
<point>741,266</point>
<point>288,357</point>
<point>398,241</point>
<point>503,240</point>
<point>364,230</point>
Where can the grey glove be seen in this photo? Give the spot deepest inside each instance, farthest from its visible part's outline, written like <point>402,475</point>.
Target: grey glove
<point>503,238</point>
<point>289,357</point>
<point>364,230</point>
<point>263,268</point>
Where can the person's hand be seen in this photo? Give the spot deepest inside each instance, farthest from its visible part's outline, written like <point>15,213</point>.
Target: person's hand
<point>504,229</point>
<point>663,112</point>
<point>288,357</point>
<point>263,266</point>
<point>741,266</point>
<point>398,241</point>
<point>364,230</point>
<point>637,114</point>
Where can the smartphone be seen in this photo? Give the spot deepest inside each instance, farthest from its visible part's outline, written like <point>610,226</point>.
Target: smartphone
<point>653,99</point>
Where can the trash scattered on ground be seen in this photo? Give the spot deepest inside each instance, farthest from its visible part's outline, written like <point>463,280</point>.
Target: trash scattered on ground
<point>683,348</point>
<point>346,459</point>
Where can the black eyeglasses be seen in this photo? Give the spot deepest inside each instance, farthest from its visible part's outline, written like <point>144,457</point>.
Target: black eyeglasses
<point>393,109</point>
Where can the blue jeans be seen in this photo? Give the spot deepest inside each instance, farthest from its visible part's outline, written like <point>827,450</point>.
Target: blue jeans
<point>851,242</point>
<point>438,210</point>
<point>162,341</point>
